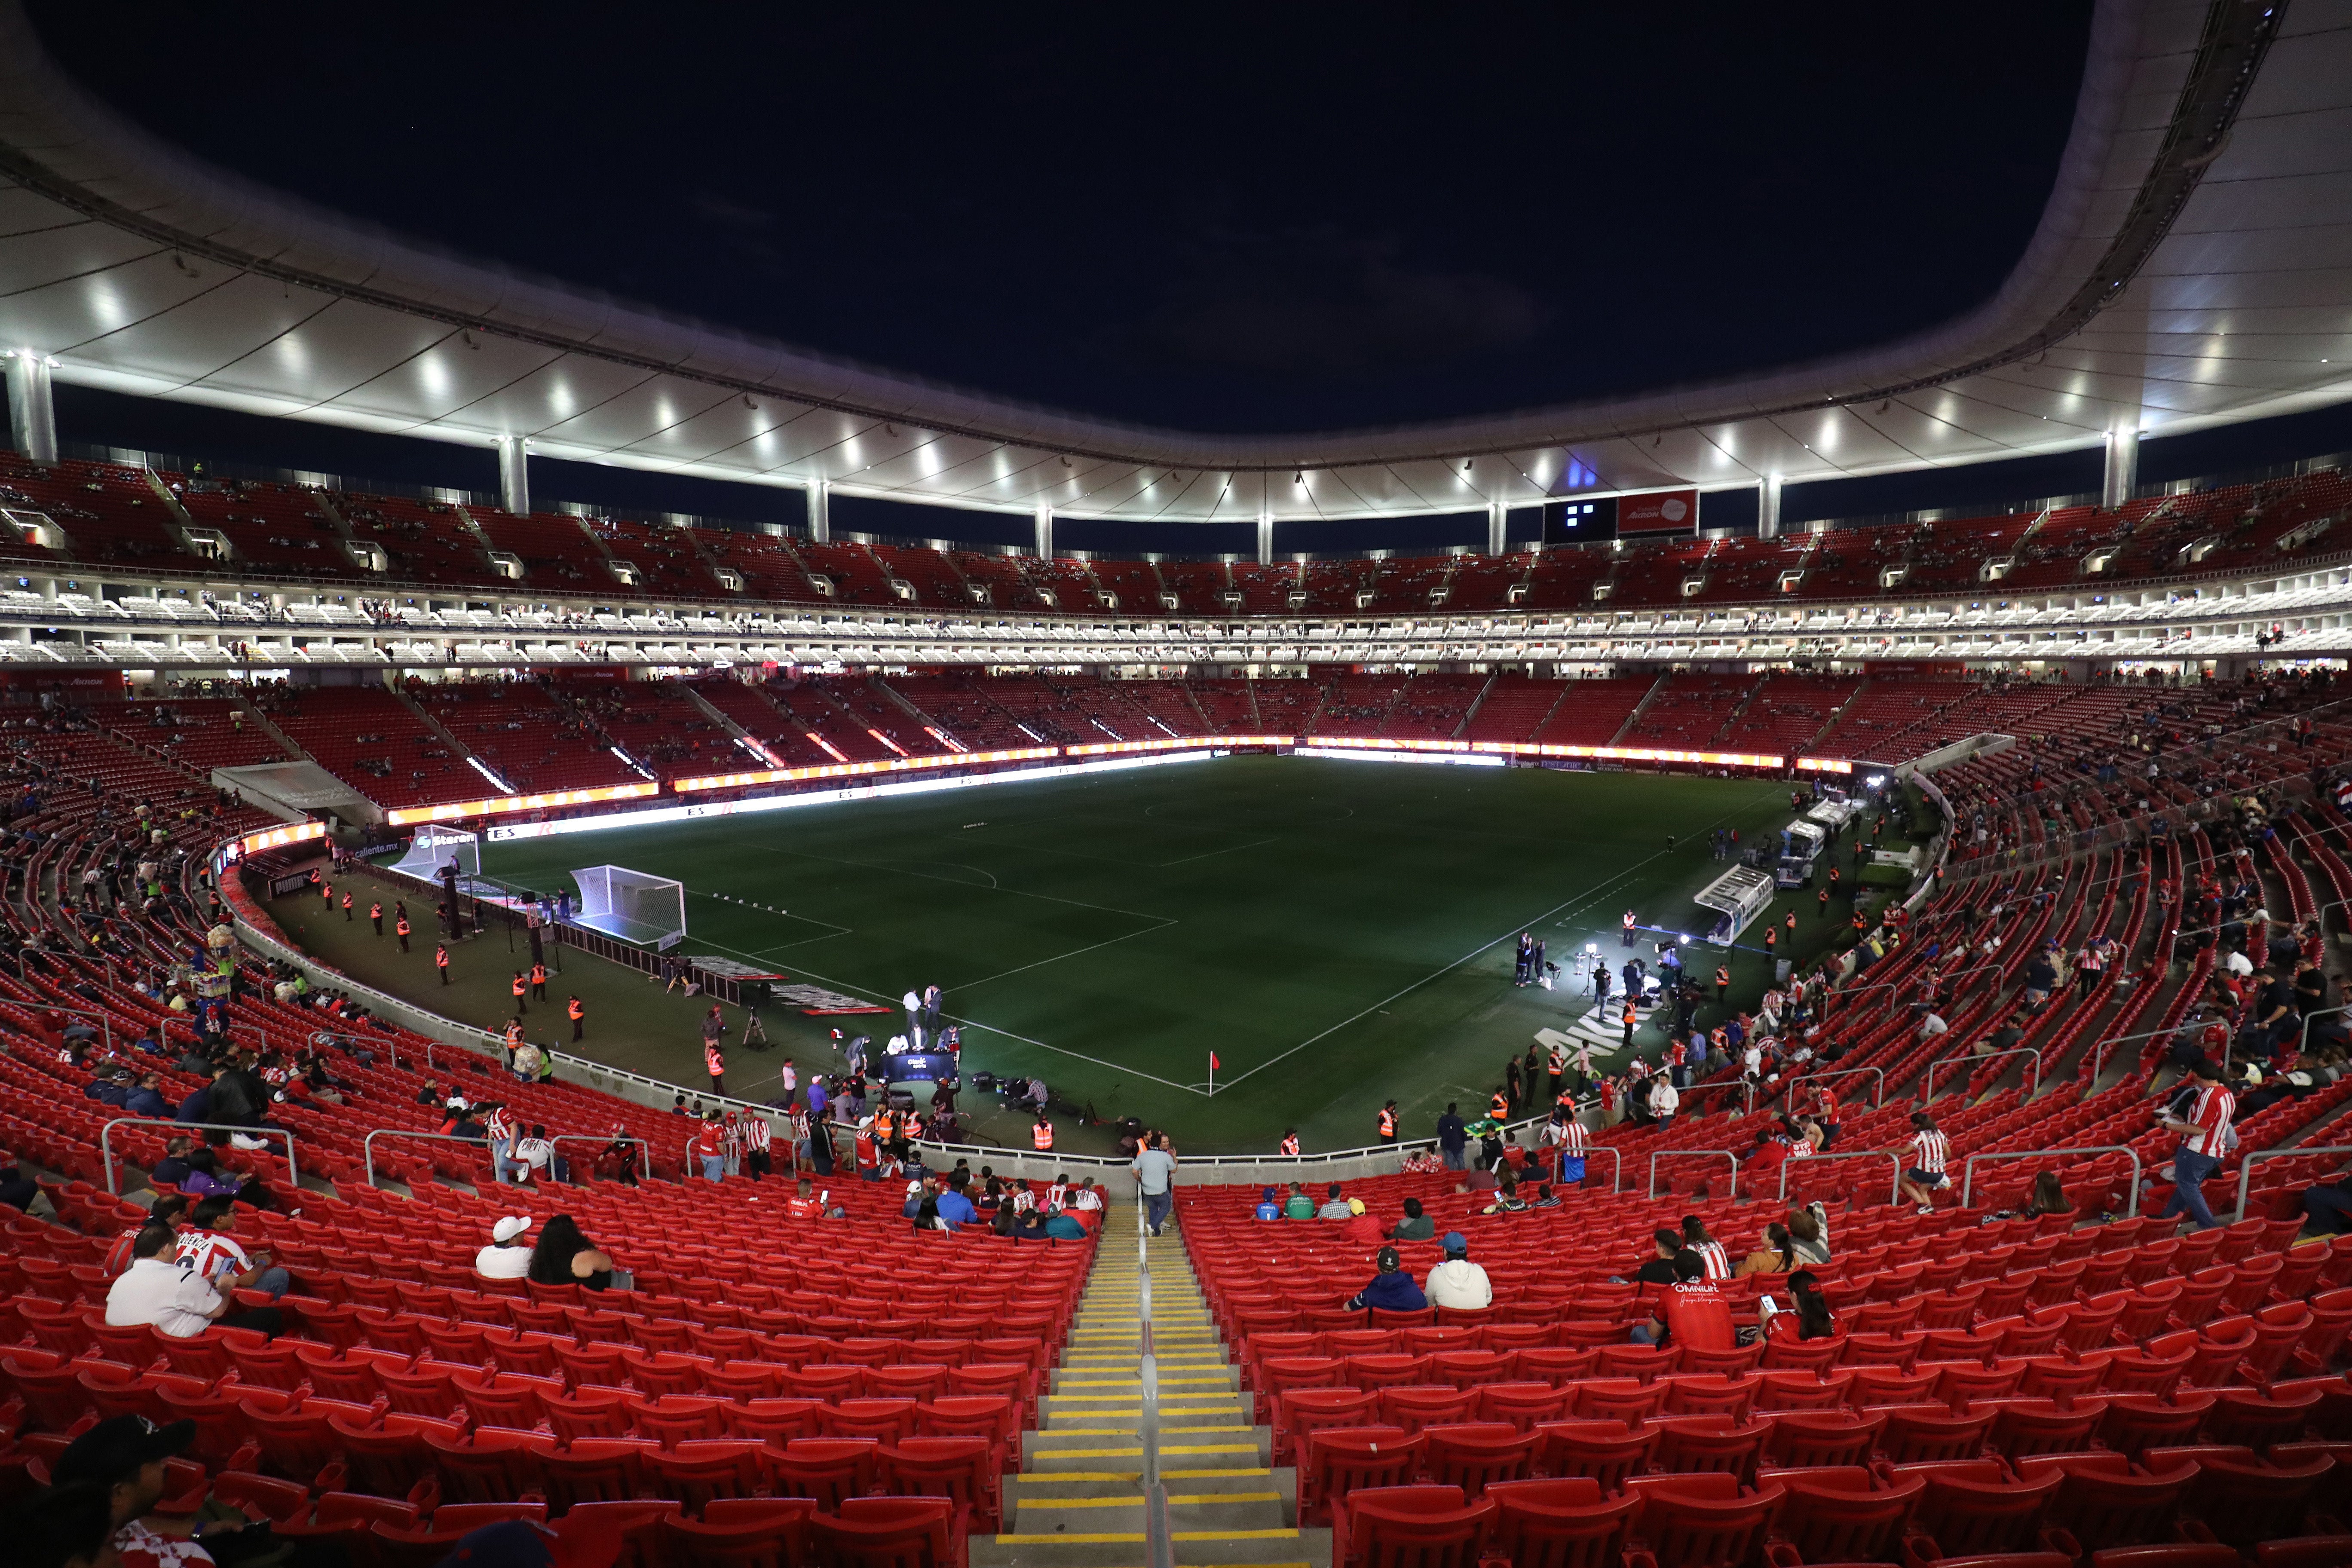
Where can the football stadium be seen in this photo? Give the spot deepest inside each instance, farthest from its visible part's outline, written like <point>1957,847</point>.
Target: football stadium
<point>1533,788</point>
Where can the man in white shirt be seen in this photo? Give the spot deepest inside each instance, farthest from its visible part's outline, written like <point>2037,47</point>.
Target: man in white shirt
<point>537,1152</point>
<point>1931,1025</point>
<point>1664,1101</point>
<point>508,1257</point>
<point>158,1289</point>
<point>1457,1281</point>
<point>914,1005</point>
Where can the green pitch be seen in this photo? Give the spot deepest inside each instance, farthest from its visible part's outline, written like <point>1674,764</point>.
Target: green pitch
<point>1336,933</point>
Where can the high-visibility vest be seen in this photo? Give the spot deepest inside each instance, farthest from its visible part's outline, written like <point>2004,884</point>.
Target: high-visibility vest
<point>347,900</point>
<point>441,956</point>
<point>1388,1123</point>
<point>1499,1104</point>
<point>1722,975</point>
<point>1290,1144</point>
<point>375,911</point>
<point>1772,937</point>
<point>517,986</point>
<point>576,1010</point>
<point>886,1126</point>
<point>514,1033</point>
<point>713,1060</point>
<point>539,974</point>
<point>1629,920</point>
<point>404,926</point>
<point>1629,1011</point>
<point>1041,1136</point>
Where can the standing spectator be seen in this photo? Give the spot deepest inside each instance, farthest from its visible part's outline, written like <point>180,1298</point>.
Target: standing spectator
<point>1155,1173</point>
<point>710,1147</point>
<point>1664,1102</point>
<point>1930,1152</point>
<point>1454,1138</point>
<point>757,1134</point>
<point>2206,1135</point>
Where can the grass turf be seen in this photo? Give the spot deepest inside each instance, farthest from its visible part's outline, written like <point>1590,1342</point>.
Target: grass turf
<point>1337,933</point>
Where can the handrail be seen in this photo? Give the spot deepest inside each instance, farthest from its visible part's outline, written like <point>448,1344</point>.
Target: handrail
<point>367,1145</point>
<point>1692,1153</point>
<point>2246,1167</point>
<point>106,1143</point>
<point>1878,1097</point>
<point>1928,1093</point>
<point>1617,1169</point>
<point>104,1023</point>
<point>1968,1167</point>
<point>1895,1194</point>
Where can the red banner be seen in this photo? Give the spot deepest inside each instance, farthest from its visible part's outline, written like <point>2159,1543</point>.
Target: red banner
<point>1666,512</point>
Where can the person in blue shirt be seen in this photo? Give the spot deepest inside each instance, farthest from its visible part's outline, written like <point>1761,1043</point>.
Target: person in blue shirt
<point>1267,1205</point>
<point>953,1206</point>
<point>147,1099</point>
<point>1392,1289</point>
<point>1060,1226</point>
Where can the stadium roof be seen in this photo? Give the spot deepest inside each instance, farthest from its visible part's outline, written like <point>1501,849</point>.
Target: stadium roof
<point>2193,266</point>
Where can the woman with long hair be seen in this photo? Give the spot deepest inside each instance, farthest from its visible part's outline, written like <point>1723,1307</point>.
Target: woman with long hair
<point>1774,1255</point>
<point>2049,1197</point>
<point>565,1257</point>
<point>1810,1308</point>
<point>1710,1251</point>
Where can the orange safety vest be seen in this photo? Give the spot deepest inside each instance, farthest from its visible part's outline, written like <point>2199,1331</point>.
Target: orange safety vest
<point>1499,1104</point>
<point>713,1060</point>
<point>514,1033</point>
<point>885,1125</point>
<point>403,928</point>
<point>1629,1010</point>
<point>517,986</point>
<point>1290,1145</point>
<point>1042,1136</point>
<point>539,974</point>
<point>1388,1123</point>
<point>375,911</point>
<point>347,900</point>
<point>576,1010</point>
<point>1772,937</point>
<point>1722,975</point>
<point>441,956</point>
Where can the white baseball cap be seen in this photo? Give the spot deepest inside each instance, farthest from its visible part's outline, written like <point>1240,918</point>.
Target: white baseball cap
<point>509,1227</point>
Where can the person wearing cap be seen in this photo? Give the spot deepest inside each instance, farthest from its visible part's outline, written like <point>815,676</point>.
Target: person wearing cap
<point>508,1257</point>
<point>1392,1288</point>
<point>1457,1281</point>
<point>123,1458</point>
<point>181,1303</point>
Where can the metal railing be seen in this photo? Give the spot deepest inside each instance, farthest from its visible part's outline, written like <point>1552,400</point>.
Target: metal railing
<point>105,1024</point>
<point>1968,1167</point>
<point>367,1145</point>
<point>106,1142</point>
<point>1878,1095</point>
<point>1895,1194</point>
<point>1617,1168</point>
<point>1928,1093</point>
<point>1692,1154</point>
<point>2246,1168</point>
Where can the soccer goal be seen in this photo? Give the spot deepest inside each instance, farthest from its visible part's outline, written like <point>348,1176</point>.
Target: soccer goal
<point>632,905</point>
<point>433,849</point>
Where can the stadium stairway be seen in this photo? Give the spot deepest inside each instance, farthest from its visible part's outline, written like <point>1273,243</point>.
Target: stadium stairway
<point>1081,1500</point>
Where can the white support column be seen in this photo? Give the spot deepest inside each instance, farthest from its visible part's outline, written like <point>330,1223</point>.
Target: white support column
<point>514,476</point>
<point>2122,468</point>
<point>1045,535</point>
<point>820,511</point>
<point>32,411</point>
<point>1768,508</point>
<point>1266,540</point>
<point>1498,519</point>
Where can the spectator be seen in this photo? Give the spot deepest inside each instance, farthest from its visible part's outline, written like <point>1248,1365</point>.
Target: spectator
<point>1545,1197</point>
<point>1711,1254</point>
<point>1664,1101</point>
<point>1064,1226</point>
<point>1457,1282</point>
<point>121,1461</point>
<point>1299,1205</point>
<point>1775,1254</point>
<point>1809,1317</point>
<point>1454,1138</point>
<point>1660,1269</point>
<point>1415,1226</point>
<point>156,1291</point>
<point>2327,1206</point>
<point>1392,1288</point>
<point>1809,1233</point>
<point>1155,1173</point>
<point>953,1208</point>
<point>1335,1206</point>
<point>2206,1135</point>
<point>1691,1311</point>
<point>565,1257</point>
<point>2049,1198</point>
<point>507,1256</point>
<point>1507,1199</point>
<point>208,1250</point>
<point>173,1168</point>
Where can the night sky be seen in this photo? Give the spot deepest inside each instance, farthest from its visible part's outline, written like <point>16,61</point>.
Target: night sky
<point>1267,219</point>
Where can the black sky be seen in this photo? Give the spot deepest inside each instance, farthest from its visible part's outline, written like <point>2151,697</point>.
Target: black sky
<point>1266,218</point>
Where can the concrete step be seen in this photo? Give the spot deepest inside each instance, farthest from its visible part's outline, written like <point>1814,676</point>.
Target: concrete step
<point>1174,1378</point>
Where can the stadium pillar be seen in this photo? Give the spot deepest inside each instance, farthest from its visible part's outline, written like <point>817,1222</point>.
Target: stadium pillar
<point>1266,540</point>
<point>820,511</point>
<point>1499,517</point>
<point>1767,507</point>
<point>31,412</point>
<point>514,476</point>
<point>2122,468</point>
<point>1044,539</point>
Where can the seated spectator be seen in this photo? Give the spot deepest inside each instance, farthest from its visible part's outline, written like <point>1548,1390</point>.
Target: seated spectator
<point>1392,1288</point>
<point>1458,1282</point>
<point>1691,1311</point>
<point>173,1168</point>
<point>1415,1226</point>
<point>1507,1199</point>
<point>2327,1206</point>
<point>953,1207</point>
<point>1809,1318</point>
<point>1335,1206</point>
<point>1299,1205</point>
<point>19,1190</point>
<point>206,1179</point>
<point>1269,1204</point>
<point>208,1249</point>
<point>1361,1226</point>
<point>1545,1197</point>
<point>156,1291</point>
<point>1660,1269</point>
<point>508,1257</point>
<point>1775,1254</point>
<point>2049,1198</point>
<point>1809,1233</point>
<point>1064,1226</point>
<point>806,1204</point>
<point>565,1257</point>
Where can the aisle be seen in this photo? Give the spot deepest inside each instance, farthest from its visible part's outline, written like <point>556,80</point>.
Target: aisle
<point>1083,1499</point>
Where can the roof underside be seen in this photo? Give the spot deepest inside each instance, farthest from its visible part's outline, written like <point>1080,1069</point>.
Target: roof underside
<point>2193,267</point>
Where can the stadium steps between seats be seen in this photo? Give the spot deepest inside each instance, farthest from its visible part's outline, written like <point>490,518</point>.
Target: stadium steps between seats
<point>1079,1500</point>
<point>1657,688</point>
<point>457,748</point>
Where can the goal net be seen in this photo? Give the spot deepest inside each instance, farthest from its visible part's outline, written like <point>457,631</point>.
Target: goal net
<point>433,849</point>
<point>632,905</point>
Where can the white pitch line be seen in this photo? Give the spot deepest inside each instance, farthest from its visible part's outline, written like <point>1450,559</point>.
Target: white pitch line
<point>954,881</point>
<point>1208,854</point>
<point>1587,897</point>
<point>968,985</point>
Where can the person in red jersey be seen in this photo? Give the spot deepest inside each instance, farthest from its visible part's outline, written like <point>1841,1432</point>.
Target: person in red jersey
<point>1691,1311</point>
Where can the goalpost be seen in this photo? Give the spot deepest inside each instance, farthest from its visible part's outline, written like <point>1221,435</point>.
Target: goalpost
<point>632,905</point>
<point>432,850</point>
